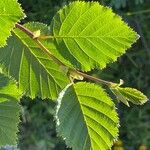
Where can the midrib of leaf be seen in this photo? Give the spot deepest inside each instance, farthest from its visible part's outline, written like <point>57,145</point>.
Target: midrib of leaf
<point>89,36</point>
<point>85,122</point>
<point>107,54</point>
<point>38,60</point>
<point>37,57</point>
<point>132,95</point>
<point>87,125</point>
<point>8,15</point>
<point>98,37</point>
<point>75,126</point>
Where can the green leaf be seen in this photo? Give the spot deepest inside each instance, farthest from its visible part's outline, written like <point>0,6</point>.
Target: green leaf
<point>36,73</point>
<point>10,14</point>
<point>129,94</point>
<point>90,35</point>
<point>8,87</point>
<point>9,114</point>
<point>9,111</point>
<point>86,117</point>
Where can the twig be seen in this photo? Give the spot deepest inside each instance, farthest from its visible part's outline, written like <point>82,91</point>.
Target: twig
<point>25,30</point>
<point>138,12</point>
<point>31,35</point>
<point>95,79</point>
<point>45,50</point>
<point>143,40</point>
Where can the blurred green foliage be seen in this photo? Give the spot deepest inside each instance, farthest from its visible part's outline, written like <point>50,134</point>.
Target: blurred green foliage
<point>38,127</point>
<point>37,130</point>
<point>136,127</point>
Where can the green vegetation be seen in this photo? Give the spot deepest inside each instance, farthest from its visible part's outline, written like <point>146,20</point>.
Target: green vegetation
<point>50,57</point>
<point>9,110</point>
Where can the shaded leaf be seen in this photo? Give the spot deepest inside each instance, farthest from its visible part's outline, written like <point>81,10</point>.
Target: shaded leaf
<point>86,117</point>
<point>127,94</point>
<point>9,111</point>
<point>36,73</point>
<point>10,14</point>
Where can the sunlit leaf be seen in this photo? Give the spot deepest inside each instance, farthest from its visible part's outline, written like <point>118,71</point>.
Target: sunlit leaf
<point>90,35</point>
<point>86,117</point>
<point>10,14</point>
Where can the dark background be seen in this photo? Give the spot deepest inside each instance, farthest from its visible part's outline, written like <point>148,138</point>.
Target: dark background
<point>37,130</point>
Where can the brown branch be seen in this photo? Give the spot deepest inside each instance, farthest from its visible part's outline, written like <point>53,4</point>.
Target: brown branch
<point>45,50</point>
<point>94,79</point>
<point>31,35</point>
<point>25,30</point>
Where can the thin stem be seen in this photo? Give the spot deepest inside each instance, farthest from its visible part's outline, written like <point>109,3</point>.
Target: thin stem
<point>45,50</point>
<point>45,37</point>
<point>138,12</point>
<point>25,30</point>
<point>94,78</point>
<point>31,35</point>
